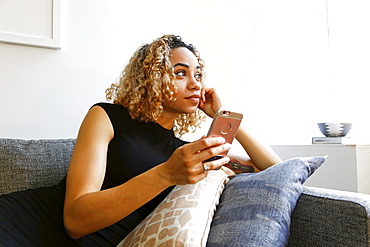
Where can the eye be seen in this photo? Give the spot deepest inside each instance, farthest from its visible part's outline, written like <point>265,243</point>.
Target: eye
<point>180,73</point>
<point>198,76</point>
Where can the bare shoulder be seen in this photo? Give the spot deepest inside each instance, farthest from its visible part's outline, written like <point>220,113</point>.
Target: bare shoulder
<point>97,122</point>
<point>89,155</point>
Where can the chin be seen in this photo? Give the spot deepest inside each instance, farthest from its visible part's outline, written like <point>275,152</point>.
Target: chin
<point>191,111</point>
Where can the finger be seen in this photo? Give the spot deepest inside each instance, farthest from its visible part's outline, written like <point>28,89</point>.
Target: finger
<point>202,98</point>
<point>210,153</point>
<point>216,164</point>
<point>203,144</point>
<point>203,94</point>
<point>206,168</point>
<point>209,93</point>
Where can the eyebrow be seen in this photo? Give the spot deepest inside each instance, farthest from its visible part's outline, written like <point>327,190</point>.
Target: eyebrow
<point>184,65</point>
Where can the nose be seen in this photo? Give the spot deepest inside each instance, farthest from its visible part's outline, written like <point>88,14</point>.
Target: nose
<point>194,84</point>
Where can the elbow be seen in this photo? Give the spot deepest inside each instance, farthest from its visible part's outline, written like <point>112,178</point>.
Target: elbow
<point>72,229</point>
<point>74,235</point>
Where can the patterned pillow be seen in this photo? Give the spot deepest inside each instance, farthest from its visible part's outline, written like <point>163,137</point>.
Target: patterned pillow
<point>184,217</point>
<point>255,208</point>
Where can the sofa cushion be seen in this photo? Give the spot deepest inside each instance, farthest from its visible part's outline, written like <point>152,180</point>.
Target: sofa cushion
<point>28,164</point>
<point>184,217</point>
<point>255,208</point>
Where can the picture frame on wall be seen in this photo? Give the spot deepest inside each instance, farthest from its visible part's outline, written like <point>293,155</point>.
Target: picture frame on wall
<point>31,23</point>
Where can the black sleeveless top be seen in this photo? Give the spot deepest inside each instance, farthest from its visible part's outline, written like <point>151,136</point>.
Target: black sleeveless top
<point>35,217</point>
<point>136,148</point>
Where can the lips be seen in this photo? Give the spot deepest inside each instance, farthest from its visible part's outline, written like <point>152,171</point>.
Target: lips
<point>194,96</point>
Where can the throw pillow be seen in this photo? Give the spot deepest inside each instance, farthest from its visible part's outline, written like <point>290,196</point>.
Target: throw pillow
<point>184,217</point>
<point>255,208</point>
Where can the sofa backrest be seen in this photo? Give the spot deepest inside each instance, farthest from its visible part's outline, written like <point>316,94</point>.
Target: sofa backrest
<point>29,164</point>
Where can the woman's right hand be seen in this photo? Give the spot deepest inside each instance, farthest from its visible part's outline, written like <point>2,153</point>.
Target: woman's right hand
<point>185,166</point>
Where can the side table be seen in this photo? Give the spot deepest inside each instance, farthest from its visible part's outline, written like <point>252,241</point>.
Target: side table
<point>346,168</point>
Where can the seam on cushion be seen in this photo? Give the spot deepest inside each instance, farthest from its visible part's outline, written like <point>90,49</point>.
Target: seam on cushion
<point>216,198</point>
<point>355,197</point>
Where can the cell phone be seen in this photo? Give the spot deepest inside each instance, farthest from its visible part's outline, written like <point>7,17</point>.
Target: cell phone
<point>226,124</point>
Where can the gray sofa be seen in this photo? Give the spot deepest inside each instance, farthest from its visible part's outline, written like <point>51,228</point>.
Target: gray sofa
<point>322,217</point>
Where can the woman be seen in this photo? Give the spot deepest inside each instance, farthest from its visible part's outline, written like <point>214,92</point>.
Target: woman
<point>128,155</point>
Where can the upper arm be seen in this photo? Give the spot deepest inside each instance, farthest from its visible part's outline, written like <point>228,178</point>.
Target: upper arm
<point>88,163</point>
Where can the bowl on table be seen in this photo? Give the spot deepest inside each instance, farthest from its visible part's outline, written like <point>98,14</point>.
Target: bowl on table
<point>334,129</point>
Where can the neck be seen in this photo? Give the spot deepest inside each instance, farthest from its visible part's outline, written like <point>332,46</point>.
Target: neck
<point>167,120</point>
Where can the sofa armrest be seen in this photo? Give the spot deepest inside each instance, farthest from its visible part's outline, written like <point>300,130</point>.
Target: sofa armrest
<point>326,217</point>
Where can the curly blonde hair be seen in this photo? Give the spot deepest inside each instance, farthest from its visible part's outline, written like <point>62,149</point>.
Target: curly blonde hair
<point>148,80</point>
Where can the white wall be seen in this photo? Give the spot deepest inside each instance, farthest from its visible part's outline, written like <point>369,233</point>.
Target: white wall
<point>271,60</point>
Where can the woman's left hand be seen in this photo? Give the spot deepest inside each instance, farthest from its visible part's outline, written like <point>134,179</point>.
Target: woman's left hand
<point>209,102</point>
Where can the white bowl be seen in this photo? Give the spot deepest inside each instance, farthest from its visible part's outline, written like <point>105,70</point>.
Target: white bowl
<point>334,129</point>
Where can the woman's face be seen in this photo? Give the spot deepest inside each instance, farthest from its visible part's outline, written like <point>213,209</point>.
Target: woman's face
<point>187,79</point>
